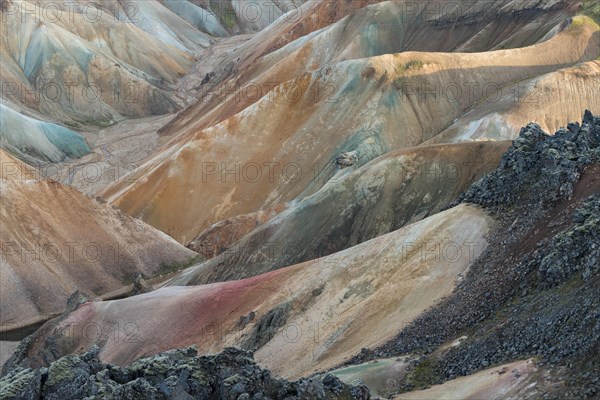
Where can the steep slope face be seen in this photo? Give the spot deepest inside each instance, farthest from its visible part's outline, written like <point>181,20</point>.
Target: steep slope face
<point>301,18</point>
<point>388,193</point>
<point>309,17</point>
<point>548,97</point>
<point>394,27</point>
<point>235,172</point>
<point>308,312</point>
<point>56,241</point>
<point>229,72</point>
<point>82,63</point>
<point>535,290</point>
<point>203,18</point>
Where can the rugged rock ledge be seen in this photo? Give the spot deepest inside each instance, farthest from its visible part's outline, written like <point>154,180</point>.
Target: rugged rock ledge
<point>577,249</point>
<point>539,169</point>
<point>176,374</point>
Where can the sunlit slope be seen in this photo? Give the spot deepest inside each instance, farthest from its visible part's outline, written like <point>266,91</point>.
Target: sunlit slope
<point>56,240</point>
<point>548,100</point>
<point>371,27</point>
<point>382,28</point>
<point>282,147</point>
<point>390,192</point>
<point>333,306</point>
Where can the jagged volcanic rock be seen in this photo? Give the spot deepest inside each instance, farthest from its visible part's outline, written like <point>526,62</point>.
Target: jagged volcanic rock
<point>176,374</point>
<point>539,169</point>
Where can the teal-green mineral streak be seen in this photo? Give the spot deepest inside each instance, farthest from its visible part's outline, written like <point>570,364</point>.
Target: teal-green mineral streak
<point>39,50</point>
<point>35,140</point>
<point>71,143</point>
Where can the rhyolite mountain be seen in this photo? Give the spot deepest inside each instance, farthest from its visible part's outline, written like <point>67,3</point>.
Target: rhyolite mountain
<point>57,240</point>
<point>300,199</point>
<point>505,292</point>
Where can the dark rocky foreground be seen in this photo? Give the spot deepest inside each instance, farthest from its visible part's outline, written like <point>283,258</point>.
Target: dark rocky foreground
<point>176,374</point>
<point>535,292</point>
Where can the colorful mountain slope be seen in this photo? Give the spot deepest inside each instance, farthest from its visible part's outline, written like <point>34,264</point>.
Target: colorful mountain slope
<point>332,306</point>
<point>283,146</point>
<point>56,240</point>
